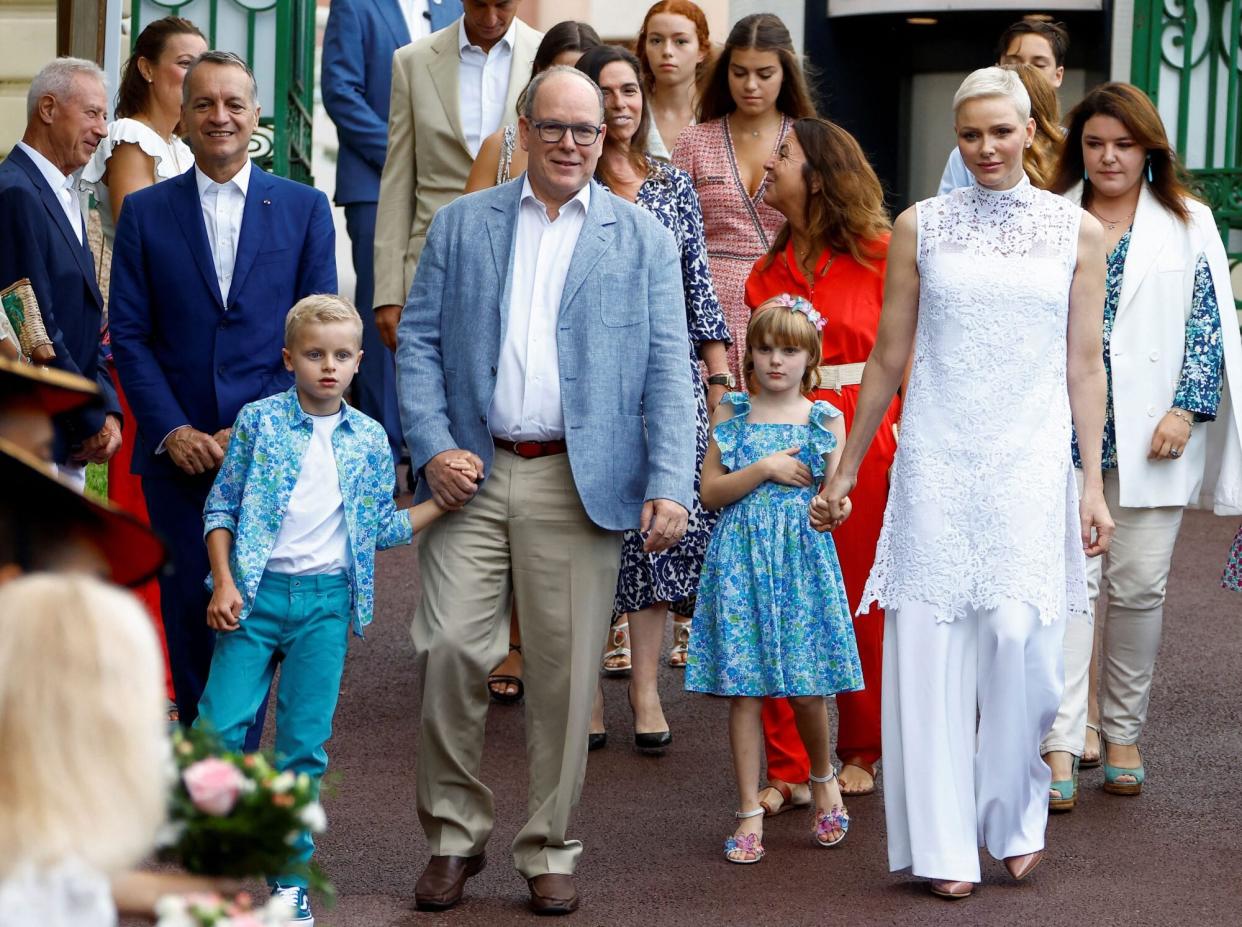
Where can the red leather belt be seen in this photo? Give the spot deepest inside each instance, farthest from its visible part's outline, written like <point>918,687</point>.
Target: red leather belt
<point>531,449</point>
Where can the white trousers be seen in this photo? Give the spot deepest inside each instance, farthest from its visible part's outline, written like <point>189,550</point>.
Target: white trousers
<point>964,706</point>
<point>1135,572</point>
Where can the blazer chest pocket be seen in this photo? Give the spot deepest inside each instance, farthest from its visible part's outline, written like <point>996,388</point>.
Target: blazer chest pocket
<point>620,305</point>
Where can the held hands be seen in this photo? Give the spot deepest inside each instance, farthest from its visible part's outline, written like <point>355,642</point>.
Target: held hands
<point>832,506</point>
<point>193,451</point>
<point>785,468</point>
<point>1094,516</point>
<point>100,447</point>
<point>453,477</point>
<point>663,524</point>
<point>386,320</point>
<point>221,438</point>
<point>1171,436</point>
<point>224,612</point>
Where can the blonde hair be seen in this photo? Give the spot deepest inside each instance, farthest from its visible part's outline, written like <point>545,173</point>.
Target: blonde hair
<point>84,758</point>
<point>322,309</point>
<point>781,327</point>
<point>994,82</point>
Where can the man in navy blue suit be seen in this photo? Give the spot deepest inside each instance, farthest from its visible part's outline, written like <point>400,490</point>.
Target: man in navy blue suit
<point>358,46</point>
<point>204,269</point>
<point>44,239</point>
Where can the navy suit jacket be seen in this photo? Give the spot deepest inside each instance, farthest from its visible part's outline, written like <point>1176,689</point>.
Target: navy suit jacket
<point>183,357</point>
<point>36,241</point>
<point>358,45</point>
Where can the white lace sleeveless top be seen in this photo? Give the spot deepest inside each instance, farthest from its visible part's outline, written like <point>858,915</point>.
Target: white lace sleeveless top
<point>64,894</point>
<point>983,505</point>
<point>171,158</point>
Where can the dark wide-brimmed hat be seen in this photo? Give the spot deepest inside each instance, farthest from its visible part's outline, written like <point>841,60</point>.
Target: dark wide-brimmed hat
<point>55,391</point>
<point>35,499</point>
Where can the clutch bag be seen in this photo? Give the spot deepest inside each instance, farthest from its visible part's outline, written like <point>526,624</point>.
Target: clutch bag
<point>22,310</point>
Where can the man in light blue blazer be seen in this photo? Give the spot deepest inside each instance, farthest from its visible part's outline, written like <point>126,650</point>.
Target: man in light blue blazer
<point>542,349</point>
<point>356,82</point>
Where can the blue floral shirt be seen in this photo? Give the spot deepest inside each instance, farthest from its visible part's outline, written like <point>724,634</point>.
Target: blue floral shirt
<point>256,480</point>
<point>1200,384</point>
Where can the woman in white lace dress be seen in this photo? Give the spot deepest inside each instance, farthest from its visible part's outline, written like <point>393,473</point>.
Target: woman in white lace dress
<point>997,290</point>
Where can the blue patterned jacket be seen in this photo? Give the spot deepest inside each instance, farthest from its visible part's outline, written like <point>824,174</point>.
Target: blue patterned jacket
<point>256,480</point>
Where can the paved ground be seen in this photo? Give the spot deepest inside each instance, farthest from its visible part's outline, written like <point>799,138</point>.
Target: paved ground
<point>653,827</point>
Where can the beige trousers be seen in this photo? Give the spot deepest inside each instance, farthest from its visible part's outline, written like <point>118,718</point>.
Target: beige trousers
<point>1134,572</point>
<point>524,536</point>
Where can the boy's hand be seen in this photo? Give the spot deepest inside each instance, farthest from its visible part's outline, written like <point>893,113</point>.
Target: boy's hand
<point>785,468</point>
<point>224,612</point>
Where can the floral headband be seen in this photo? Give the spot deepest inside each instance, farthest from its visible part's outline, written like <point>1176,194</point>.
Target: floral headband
<point>798,304</point>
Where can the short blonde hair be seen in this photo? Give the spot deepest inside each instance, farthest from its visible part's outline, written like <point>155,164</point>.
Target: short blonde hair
<point>84,758</point>
<point>321,308</point>
<point>994,82</point>
<point>781,327</point>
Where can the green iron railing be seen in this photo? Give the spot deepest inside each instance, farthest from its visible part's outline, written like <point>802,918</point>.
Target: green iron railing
<point>1186,57</point>
<point>277,39</point>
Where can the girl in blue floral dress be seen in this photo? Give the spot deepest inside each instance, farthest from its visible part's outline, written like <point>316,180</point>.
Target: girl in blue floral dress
<point>772,617</point>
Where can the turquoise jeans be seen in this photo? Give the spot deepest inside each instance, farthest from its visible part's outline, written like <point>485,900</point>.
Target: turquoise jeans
<point>302,623</point>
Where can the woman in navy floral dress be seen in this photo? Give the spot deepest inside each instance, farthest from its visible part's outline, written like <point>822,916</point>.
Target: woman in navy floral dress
<point>1171,347</point>
<point>648,583</point>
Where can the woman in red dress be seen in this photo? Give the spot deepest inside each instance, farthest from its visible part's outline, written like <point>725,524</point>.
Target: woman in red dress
<point>832,251</point>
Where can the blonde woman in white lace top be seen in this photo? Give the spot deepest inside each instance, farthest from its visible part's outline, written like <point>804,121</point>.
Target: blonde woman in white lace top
<point>996,291</point>
<point>142,147</point>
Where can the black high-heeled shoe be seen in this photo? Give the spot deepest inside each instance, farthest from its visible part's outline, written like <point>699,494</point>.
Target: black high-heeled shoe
<point>653,743</point>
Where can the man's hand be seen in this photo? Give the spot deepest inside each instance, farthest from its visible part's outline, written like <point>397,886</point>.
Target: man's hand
<point>386,320</point>
<point>221,438</point>
<point>663,524</point>
<point>224,612</point>
<point>192,450</point>
<point>453,477</point>
<point>100,447</point>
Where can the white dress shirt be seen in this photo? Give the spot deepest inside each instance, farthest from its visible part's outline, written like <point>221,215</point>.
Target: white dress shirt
<point>482,85</point>
<point>62,186</point>
<point>417,18</point>
<point>313,536</point>
<point>527,403</point>
<point>223,205</point>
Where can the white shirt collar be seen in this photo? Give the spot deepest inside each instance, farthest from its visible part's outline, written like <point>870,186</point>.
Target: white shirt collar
<point>582,197</point>
<point>56,179</point>
<point>463,41</point>
<point>241,179</point>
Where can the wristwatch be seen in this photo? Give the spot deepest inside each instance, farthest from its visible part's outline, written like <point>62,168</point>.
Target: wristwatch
<point>722,379</point>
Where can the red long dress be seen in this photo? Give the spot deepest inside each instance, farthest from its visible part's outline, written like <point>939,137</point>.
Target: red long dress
<point>849,296</point>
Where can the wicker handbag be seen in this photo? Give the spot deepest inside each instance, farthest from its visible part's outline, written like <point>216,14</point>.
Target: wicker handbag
<point>22,311</point>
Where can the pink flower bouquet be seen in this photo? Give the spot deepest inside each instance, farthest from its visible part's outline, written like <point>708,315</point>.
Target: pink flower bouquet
<point>217,911</point>
<point>234,815</point>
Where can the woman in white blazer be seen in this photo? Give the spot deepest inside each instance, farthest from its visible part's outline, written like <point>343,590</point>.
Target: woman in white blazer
<point>1174,363</point>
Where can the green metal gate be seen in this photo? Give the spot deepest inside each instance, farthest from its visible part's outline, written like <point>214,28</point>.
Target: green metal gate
<point>277,39</point>
<point>1186,57</point>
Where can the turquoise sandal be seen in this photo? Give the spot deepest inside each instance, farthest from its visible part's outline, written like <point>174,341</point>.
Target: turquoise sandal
<point>1063,793</point>
<point>1113,773</point>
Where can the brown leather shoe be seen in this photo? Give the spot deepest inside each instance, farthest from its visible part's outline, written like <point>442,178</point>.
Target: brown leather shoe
<point>1022,866</point>
<point>952,890</point>
<point>441,884</point>
<point>553,893</point>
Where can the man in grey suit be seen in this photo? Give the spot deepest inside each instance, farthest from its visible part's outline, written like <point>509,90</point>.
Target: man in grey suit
<point>543,346</point>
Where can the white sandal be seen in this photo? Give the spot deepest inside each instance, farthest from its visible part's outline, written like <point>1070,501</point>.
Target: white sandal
<point>616,662</point>
<point>832,820</point>
<point>745,843</point>
<point>680,650</point>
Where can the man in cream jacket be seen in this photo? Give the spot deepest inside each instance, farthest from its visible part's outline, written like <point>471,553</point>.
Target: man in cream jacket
<point>450,91</point>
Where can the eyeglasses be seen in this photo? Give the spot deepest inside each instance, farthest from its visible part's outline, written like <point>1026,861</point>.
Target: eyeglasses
<point>553,132</point>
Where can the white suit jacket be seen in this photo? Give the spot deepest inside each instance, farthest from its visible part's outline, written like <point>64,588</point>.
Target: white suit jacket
<point>1148,342</point>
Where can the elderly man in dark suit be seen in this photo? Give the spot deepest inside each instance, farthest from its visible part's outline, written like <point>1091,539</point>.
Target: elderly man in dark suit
<point>44,236</point>
<point>205,268</point>
<point>358,44</point>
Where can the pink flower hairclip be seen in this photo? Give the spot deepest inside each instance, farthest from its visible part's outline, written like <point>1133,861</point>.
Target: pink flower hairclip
<point>799,304</point>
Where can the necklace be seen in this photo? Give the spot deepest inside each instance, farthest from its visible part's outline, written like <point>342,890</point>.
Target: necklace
<point>1111,224</point>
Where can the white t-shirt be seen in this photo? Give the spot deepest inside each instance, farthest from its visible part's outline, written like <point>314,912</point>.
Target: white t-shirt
<point>314,537</point>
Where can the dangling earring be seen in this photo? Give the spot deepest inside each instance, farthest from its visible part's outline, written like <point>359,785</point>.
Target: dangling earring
<point>1149,180</point>
<point>1085,176</point>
